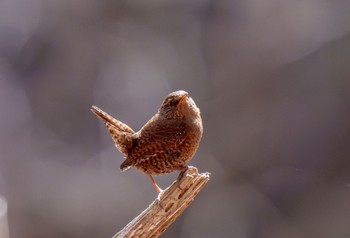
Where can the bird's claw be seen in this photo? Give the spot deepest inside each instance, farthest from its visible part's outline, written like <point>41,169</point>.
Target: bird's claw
<point>159,197</point>
<point>191,169</point>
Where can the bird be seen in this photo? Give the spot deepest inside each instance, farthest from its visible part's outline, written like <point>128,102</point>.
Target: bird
<point>166,143</point>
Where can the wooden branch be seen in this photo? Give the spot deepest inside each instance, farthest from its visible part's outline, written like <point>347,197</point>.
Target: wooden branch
<point>163,211</point>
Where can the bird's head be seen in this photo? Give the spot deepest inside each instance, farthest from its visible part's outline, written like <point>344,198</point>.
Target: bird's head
<point>178,105</point>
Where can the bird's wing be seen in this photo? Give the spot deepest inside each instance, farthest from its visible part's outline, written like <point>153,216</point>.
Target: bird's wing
<point>160,144</point>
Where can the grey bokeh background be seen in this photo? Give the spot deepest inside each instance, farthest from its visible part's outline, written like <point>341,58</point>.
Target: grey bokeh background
<point>272,80</point>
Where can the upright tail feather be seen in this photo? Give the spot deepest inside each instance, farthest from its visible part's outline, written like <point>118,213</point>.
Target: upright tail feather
<point>120,132</point>
<point>109,119</point>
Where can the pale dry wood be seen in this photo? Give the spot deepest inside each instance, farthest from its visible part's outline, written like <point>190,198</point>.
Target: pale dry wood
<point>163,211</point>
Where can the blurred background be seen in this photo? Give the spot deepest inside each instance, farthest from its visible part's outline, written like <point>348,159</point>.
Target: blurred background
<point>272,80</point>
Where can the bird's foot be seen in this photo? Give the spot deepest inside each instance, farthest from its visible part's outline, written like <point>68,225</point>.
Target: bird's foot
<point>192,169</point>
<point>159,195</point>
<point>185,169</point>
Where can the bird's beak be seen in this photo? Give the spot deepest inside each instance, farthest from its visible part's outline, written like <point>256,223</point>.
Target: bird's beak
<point>183,98</point>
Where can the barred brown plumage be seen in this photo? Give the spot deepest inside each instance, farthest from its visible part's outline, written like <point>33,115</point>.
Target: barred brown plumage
<point>166,143</point>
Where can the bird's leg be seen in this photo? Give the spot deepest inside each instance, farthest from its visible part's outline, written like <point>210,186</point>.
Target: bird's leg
<point>159,190</point>
<point>185,168</point>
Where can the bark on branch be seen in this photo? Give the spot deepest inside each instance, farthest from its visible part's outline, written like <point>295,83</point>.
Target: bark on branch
<point>163,211</point>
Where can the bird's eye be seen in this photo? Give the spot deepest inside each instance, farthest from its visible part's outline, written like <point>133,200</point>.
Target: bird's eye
<point>171,103</point>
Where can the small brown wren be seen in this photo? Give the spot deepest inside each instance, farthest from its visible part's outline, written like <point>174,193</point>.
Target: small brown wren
<point>166,143</point>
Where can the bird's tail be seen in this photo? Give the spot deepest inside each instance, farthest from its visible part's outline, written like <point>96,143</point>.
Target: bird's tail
<point>120,132</point>
<point>109,119</point>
